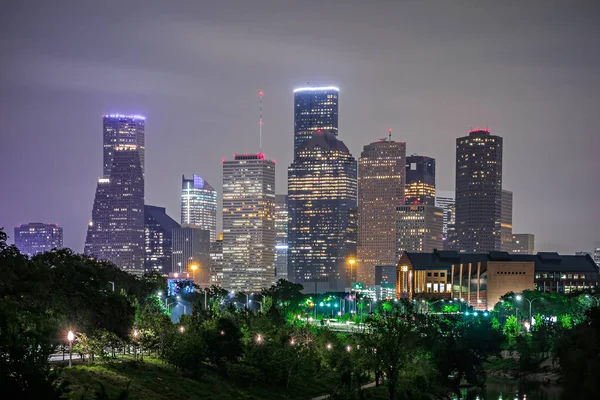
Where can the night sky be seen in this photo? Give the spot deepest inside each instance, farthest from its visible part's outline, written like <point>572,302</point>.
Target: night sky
<point>528,70</point>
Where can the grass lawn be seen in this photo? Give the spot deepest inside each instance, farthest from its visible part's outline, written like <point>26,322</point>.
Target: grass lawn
<point>152,380</point>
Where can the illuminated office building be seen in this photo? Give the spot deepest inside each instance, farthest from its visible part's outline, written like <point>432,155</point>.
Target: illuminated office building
<point>478,192</point>
<point>420,180</point>
<point>381,177</point>
<point>322,213</point>
<point>216,262</point>
<point>418,228</point>
<point>199,204</point>
<point>191,253</point>
<point>158,236</point>
<point>281,237</point>
<point>506,214</point>
<point>116,231</point>
<point>315,110</point>
<point>122,130</point>
<point>523,243</point>
<point>444,199</point>
<point>35,238</point>
<point>248,222</point>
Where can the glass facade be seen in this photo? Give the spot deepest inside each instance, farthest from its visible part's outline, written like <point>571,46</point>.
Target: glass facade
<point>191,247</point>
<point>248,223</point>
<point>444,199</point>
<point>420,180</point>
<point>381,179</point>
<point>418,229</point>
<point>216,262</point>
<point>478,192</point>
<point>315,110</point>
<point>36,237</point>
<point>158,249</point>
<point>199,204</point>
<point>506,215</point>
<point>281,237</point>
<point>122,130</point>
<point>322,213</point>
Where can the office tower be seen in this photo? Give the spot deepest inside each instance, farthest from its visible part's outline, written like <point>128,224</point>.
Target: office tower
<point>248,222</point>
<point>418,229</point>
<point>506,220</point>
<point>216,262</point>
<point>523,243</point>
<point>322,213</point>
<point>381,177</point>
<point>420,180</point>
<point>444,199</point>
<point>116,231</point>
<point>199,204</point>
<point>281,237</point>
<point>158,234</point>
<point>478,192</point>
<point>122,130</point>
<point>36,237</point>
<point>191,253</point>
<point>315,110</point>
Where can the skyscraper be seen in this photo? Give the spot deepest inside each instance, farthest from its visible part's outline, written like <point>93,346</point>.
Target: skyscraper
<point>444,199</point>
<point>116,231</point>
<point>216,262</point>
<point>158,249</point>
<point>315,110</point>
<point>248,222</point>
<point>36,237</point>
<point>506,215</point>
<point>191,253</point>
<point>418,229</point>
<point>420,180</point>
<point>281,237</point>
<point>381,177</point>
<point>120,130</point>
<point>322,213</point>
<point>478,192</point>
<point>523,243</point>
<point>199,204</point>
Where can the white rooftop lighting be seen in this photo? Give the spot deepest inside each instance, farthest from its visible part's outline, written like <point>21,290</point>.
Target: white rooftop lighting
<point>316,89</point>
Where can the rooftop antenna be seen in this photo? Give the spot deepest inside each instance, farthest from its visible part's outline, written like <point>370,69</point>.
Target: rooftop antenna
<point>260,121</point>
<point>390,134</point>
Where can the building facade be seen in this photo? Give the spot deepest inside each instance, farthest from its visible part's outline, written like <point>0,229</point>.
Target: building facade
<point>381,178</point>
<point>523,243</point>
<point>199,204</point>
<point>506,215</point>
<point>122,130</point>
<point>216,262</point>
<point>478,192</point>
<point>191,253</point>
<point>116,231</point>
<point>322,213</point>
<point>36,237</point>
<point>418,228</point>
<point>444,199</point>
<point>281,237</point>
<point>315,110</point>
<point>158,238</point>
<point>420,180</point>
<point>248,222</point>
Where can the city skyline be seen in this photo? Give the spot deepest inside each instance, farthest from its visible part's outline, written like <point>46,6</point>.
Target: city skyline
<point>464,89</point>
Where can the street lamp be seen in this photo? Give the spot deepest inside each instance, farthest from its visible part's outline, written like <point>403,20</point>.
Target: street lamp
<point>181,329</point>
<point>352,261</point>
<point>194,267</point>
<point>259,338</point>
<point>70,338</point>
<point>519,298</point>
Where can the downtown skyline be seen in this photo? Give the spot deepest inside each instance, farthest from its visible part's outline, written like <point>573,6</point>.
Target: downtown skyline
<point>66,156</point>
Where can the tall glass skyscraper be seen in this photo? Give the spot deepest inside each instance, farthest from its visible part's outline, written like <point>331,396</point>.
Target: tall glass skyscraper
<point>281,237</point>
<point>322,213</point>
<point>158,234</point>
<point>122,130</point>
<point>381,178</point>
<point>315,110</point>
<point>116,230</point>
<point>444,199</point>
<point>199,204</point>
<point>36,237</point>
<point>248,222</point>
<point>478,192</point>
<point>506,215</point>
<point>420,180</point>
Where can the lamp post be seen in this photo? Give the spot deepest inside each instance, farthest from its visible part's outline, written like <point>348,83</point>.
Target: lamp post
<point>70,338</point>
<point>519,298</point>
<point>352,261</point>
<point>113,285</point>
<point>194,268</point>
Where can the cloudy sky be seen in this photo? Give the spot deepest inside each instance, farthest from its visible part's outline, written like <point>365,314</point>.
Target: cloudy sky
<point>430,70</point>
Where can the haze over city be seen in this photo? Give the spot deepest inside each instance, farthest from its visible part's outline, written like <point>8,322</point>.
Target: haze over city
<point>525,70</point>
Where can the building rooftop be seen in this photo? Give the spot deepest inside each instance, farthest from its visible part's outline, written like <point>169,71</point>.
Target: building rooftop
<point>543,261</point>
